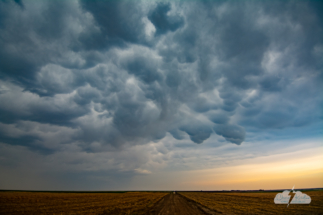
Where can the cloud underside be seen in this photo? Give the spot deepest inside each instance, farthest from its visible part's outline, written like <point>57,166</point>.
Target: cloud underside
<point>104,74</point>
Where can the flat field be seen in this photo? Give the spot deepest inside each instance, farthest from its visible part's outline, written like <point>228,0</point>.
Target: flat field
<point>148,203</point>
<point>77,203</point>
<point>255,203</point>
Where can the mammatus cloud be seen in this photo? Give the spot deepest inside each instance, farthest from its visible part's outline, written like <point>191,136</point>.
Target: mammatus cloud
<point>164,22</point>
<point>114,73</point>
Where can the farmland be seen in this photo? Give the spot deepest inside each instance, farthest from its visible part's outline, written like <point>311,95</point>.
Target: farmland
<point>77,203</point>
<point>254,203</point>
<point>150,203</point>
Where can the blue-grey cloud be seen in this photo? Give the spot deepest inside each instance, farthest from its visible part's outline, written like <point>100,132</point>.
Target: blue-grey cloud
<point>119,73</point>
<point>118,21</point>
<point>232,133</point>
<point>164,22</point>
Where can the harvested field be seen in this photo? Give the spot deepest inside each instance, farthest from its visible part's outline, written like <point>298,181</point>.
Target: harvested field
<point>255,203</point>
<point>153,203</point>
<point>176,204</point>
<point>77,203</point>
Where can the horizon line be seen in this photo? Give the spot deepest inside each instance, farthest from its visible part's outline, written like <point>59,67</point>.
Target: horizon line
<point>115,191</point>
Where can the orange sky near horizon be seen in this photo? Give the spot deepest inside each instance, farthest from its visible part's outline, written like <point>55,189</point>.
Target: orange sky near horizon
<point>302,169</point>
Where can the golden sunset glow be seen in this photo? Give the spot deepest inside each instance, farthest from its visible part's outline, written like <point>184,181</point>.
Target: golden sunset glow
<point>304,169</point>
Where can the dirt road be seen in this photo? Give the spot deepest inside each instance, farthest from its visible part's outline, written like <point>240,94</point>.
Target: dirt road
<point>178,204</point>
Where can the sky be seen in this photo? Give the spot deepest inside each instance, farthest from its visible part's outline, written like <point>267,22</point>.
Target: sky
<point>161,95</point>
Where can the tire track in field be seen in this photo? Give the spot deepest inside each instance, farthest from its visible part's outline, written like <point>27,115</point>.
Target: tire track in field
<point>176,204</point>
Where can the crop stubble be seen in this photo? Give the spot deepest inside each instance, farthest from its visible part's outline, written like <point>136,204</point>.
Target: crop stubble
<point>77,203</point>
<point>143,202</point>
<point>255,203</point>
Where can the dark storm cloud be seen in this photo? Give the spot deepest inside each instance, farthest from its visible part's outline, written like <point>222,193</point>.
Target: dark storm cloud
<point>119,22</point>
<point>197,133</point>
<point>27,141</point>
<point>232,133</point>
<point>21,55</point>
<point>144,68</point>
<point>164,22</point>
<point>219,118</point>
<point>120,73</point>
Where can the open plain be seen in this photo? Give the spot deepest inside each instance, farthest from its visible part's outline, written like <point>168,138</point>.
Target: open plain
<point>254,202</point>
<point>160,203</point>
<point>77,203</point>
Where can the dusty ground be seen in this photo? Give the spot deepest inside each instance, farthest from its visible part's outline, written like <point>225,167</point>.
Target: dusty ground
<point>174,204</point>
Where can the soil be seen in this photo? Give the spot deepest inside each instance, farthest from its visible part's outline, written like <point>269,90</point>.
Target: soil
<point>173,204</point>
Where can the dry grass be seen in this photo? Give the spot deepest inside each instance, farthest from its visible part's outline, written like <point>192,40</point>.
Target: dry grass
<point>255,203</point>
<point>77,203</point>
